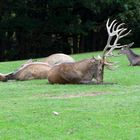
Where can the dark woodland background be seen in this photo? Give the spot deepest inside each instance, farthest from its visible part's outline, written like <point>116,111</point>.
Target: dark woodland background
<point>38,28</point>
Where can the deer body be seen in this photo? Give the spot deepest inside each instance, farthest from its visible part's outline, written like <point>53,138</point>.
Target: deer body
<point>57,58</point>
<point>76,73</point>
<point>133,58</point>
<point>34,70</point>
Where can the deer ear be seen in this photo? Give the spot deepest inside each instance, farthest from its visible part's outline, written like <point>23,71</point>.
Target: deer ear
<point>131,44</point>
<point>93,60</point>
<point>98,57</point>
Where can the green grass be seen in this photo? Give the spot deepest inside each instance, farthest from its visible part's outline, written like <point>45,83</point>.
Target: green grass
<point>26,108</point>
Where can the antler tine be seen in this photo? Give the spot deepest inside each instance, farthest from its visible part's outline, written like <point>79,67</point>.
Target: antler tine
<point>121,36</point>
<point>117,47</point>
<point>130,44</point>
<point>107,23</point>
<point>107,26</point>
<point>110,34</point>
<point>111,65</point>
<point>119,29</point>
<point>113,28</point>
<point>120,25</point>
<point>112,23</point>
<point>122,30</point>
<point>110,26</point>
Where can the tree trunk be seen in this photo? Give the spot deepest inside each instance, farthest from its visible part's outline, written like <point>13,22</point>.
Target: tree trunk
<point>75,44</point>
<point>81,44</point>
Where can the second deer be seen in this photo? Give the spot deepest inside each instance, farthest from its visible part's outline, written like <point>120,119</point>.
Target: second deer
<point>133,58</point>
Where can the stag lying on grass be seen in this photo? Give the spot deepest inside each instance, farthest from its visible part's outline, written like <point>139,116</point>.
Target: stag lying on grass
<point>57,58</point>
<point>29,71</point>
<point>84,71</point>
<point>133,58</point>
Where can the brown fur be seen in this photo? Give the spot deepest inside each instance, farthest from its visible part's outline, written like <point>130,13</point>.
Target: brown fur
<point>2,77</point>
<point>57,58</point>
<point>133,58</point>
<point>34,70</point>
<point>77,72</point>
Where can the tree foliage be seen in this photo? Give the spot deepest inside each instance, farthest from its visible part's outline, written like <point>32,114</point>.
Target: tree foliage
<point>37,28</point>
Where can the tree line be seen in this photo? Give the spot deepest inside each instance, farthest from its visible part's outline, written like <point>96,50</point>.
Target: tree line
<point>38,28</point>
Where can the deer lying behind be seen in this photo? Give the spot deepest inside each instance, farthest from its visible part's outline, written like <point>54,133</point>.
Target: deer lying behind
<point>133,58</point>
<point>36,70</point>
<point>33,70</point>
<point>57,58</point>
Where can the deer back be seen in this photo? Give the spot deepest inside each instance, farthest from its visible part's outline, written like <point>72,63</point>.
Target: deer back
<point>125,51</point>
<point>58,58</point>
<point>35,70</point>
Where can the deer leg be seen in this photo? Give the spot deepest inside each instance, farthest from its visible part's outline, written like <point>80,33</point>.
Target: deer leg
<point>130,64</point>
<point>87,82</point>
<point>90,82</point>
<point>95,83</point>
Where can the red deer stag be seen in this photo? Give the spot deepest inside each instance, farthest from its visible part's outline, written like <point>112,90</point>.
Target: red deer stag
<point>133,58</point>
<point>86,70</point>
<point>29,71</point>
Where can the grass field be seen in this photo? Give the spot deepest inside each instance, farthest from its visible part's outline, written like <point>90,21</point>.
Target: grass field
<point>86,112</point>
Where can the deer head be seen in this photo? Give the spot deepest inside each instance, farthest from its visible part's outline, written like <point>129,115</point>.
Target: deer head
<point>126,50</point>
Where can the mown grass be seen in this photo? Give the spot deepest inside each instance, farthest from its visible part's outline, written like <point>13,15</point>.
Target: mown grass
<point>26,108</point>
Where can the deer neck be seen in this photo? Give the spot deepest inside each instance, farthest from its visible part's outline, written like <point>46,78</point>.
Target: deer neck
<point>10,76</point>
<point>85,67</point>
<point>131,55</point>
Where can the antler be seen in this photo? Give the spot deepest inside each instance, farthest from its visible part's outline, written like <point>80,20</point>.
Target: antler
<point>114,30</point>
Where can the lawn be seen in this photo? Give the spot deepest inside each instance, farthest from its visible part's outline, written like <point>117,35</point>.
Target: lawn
<point>86,112</point>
